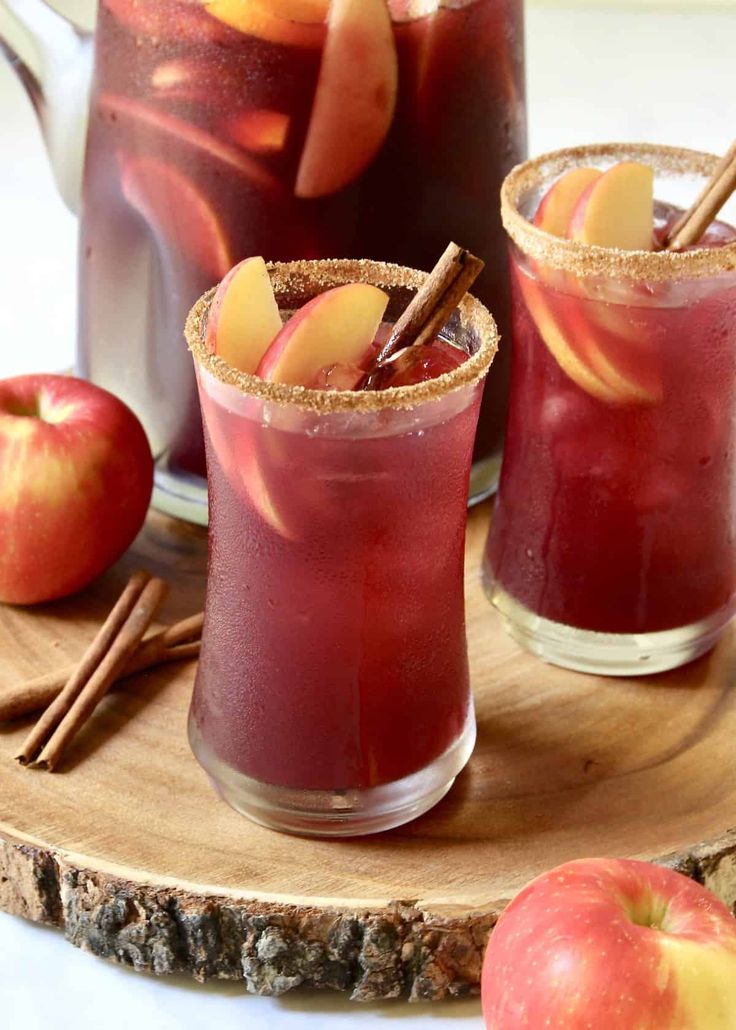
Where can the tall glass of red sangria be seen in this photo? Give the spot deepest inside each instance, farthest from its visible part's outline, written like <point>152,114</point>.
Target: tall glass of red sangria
<point>612,545</point>
<point>332,695</point>
<point>221,129</point>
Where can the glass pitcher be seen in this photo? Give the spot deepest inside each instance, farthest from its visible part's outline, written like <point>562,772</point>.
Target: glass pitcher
<point>287,128</point>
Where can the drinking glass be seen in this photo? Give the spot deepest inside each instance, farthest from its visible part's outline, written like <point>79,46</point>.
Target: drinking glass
<point>612,544</point>
<point>332,695</point>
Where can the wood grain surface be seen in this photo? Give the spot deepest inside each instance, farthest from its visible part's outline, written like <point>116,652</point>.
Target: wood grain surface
<point>132,854</point>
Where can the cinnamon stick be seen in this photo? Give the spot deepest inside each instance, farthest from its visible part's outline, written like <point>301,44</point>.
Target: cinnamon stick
<point>94,689</point>
<point>689,228</point>
<point>177,643</point>
<point>433,303</point>
<point>89,662</point>
<point>179,633</point>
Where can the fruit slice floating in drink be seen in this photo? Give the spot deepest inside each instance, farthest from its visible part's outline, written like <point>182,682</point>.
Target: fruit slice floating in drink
<point>158,192</point>
<point>116,106</point>
<point>288,22</point>
<point>356,95</point>
<point>241,453</point>
<point>570,350</point>
<point>201,80</point>
<point>595,342</point>
<point>261,131</point>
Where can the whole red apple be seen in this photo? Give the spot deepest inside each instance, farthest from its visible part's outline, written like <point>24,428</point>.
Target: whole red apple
<point>611,944</point>
<point>76,475</point>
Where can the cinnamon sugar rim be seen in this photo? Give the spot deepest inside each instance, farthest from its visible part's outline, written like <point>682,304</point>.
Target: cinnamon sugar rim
<point>312,277</point>
<point>586,260</point>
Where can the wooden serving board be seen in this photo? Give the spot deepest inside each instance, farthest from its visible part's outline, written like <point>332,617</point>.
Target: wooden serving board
<point>130,852</point>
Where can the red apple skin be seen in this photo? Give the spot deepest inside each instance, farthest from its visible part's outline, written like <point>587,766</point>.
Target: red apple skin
<point>611,943</point>
<point>316,329</point>
<point>558,203</point>
<point>76,475</point>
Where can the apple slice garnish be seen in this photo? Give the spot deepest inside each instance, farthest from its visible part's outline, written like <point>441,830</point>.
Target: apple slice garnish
<point>610,368</point>
<point>612,344</point>
<point>237,444</point>
<point>569,353</point>
<point>355,99</point>
<point>175,210</point>
<point>633,372</point>
<point>286,22</point>
<point>115,106</point>
<point>617,209</point>
<point>554,213</point>
<point>244,317</point>
<point>597,346</point>
<point>337,326</point>
<point>558,203</point>
<point>260,131</point>
<point>249,463</point>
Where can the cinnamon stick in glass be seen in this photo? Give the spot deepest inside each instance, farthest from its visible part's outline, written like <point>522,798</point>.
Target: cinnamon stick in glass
<point>432,305</point>
<point>692,224</point>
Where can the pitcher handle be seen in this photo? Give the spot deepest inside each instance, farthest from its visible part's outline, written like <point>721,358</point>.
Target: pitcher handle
<point>23,55</point>
<point>44,48</point>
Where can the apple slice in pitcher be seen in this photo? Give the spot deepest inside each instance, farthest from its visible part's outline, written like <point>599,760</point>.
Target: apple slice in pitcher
<point>260,131</point>
<point>337,326</point>
<point>176,211</point>
<point>167,21</point>
<point>244,317</point>
<point>194,78</point>
<point>287,22</point>
<point>115,106</point>
<point>355,98</point>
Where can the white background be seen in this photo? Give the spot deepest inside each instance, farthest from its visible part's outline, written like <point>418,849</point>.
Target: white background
<point>646,71</point>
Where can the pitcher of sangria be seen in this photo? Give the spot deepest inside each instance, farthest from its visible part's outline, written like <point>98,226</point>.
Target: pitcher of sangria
<point>292,129</point>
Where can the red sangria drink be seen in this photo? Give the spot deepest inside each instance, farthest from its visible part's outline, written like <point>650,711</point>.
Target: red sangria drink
<point>332,694</point>
<point>612,545</point>
<point>222,129</point>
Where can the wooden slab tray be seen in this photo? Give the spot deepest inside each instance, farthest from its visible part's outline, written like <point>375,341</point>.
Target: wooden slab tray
<point>130,852</point>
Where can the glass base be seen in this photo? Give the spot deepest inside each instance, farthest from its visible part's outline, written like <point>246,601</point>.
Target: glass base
<point>180,494</point>
<point>484,476</point>
<point>336,813</point>
<point>605,654</point>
